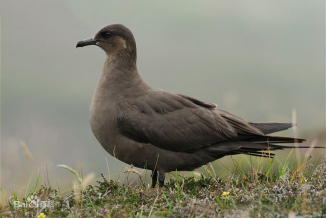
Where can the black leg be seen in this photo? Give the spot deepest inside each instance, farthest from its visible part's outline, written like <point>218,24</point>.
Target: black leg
<point>154,178</point>
<point>161,179</point>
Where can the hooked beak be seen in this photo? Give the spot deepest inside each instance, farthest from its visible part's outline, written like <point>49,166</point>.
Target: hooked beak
<point>86,42</point>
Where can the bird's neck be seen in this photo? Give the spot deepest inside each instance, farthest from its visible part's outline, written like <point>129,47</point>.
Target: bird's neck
<point>119,79</point>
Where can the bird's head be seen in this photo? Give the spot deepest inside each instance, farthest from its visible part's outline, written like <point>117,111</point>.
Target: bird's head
<point>115,39</point>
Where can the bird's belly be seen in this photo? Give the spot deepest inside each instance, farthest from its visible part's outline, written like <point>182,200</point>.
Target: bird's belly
<point>150,157</point>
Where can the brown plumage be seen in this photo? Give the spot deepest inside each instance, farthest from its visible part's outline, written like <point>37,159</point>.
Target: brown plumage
<point>162,131</point>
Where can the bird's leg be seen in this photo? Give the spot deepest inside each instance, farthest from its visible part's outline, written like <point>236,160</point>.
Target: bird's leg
<point>161,179</point>
<point>154,178</point>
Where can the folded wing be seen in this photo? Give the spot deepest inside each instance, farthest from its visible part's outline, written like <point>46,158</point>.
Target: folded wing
<point>178,123</point>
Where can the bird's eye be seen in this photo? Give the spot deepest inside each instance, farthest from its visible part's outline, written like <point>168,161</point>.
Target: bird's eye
<point>107,34</point>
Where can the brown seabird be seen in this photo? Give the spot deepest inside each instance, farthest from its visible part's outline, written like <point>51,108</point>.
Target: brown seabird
<point>163,131</point>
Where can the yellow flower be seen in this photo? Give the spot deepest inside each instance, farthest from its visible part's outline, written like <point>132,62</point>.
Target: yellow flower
<point>225,194</point>
<point>41,215</point>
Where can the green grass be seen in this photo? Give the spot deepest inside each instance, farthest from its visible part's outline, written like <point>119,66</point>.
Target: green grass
<point>296,190</point>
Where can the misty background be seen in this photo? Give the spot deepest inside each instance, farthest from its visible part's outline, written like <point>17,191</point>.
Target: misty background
<point>256,59</point>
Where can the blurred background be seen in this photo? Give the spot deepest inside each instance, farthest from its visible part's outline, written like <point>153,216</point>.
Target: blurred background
<point>257,59</point>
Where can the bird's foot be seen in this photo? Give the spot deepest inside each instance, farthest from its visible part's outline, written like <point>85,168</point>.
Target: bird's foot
<point>161,179</point>
<point>154,178</point>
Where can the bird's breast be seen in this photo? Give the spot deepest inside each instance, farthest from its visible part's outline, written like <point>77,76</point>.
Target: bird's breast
<point>102,119</point>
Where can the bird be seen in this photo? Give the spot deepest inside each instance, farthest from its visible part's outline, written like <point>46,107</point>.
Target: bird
<point>163,131</point>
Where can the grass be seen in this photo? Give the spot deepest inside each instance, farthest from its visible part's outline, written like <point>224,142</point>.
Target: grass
<point>294,189</point>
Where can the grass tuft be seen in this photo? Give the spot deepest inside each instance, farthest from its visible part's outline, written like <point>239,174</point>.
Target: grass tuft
<point>286,192</point>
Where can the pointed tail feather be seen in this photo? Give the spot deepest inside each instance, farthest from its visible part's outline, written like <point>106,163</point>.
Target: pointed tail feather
<point>266,138</point>
<point>250,148</point>
<point>263,150</point>
<point>274,139</point>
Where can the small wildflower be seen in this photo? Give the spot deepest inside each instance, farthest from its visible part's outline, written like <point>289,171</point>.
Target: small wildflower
<point>225,194</point>
<point>105,211</point>
<point>41,215</point>
<point>305,181</point>
<point>204,200</point>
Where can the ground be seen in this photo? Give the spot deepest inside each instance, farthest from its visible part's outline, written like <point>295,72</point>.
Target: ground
<point>298,191</point>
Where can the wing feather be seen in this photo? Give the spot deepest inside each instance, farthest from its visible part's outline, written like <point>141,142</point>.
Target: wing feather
<point>178,123</point>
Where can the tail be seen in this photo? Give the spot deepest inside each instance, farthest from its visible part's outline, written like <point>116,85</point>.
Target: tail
<point>259,145</point>
<point>268,128</point>
<point>264,149</point>
<point>249,148</point>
